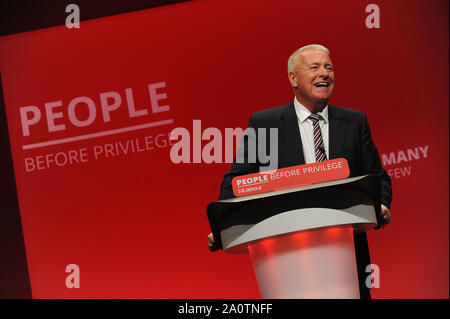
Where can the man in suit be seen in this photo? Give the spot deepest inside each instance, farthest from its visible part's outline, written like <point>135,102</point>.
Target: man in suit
<point>311,130</point>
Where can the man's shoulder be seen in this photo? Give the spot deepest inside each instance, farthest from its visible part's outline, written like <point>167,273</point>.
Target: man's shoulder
<point>286,111</point>
<point>273,113</point>
<point>344,112</point>
<point>289,110</point>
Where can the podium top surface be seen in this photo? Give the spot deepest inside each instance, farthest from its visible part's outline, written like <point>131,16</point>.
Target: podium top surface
<point>252,209</point>
<point>291,190</point>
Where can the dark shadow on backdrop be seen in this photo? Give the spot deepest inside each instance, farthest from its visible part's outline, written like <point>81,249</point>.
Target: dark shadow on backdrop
<point>15,17</point>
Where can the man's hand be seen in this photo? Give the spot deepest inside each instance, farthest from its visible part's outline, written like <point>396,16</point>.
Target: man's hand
<point>212,245</point>
<point>385,214</point>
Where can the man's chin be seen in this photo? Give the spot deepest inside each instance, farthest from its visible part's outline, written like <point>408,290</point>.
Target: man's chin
<point>322,96</point>
<point>322,99</point>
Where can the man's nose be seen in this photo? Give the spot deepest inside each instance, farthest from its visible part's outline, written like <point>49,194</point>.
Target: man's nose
<point>324,73</point>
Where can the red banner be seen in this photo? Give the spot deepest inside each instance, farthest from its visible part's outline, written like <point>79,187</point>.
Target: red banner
<point>290,177</point>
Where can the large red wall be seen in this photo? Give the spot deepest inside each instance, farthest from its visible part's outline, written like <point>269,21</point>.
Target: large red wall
<point>136,224</point>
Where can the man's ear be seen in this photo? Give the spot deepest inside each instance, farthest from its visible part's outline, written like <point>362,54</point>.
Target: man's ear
<point>292,79</point>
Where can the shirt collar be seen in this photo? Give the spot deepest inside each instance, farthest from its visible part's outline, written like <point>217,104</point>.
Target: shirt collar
<point>303,113</point>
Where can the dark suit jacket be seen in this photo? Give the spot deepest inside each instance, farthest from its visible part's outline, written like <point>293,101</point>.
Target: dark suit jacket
<point>349,138</point>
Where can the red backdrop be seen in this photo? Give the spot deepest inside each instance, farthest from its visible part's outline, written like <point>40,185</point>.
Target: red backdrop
<point>136,223</point>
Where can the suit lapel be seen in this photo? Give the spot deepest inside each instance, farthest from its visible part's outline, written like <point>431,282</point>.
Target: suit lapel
<point>291,134</point>
<point>337,130</point>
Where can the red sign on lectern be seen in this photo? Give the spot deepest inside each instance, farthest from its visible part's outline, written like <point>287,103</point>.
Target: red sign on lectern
<point>289,177</point>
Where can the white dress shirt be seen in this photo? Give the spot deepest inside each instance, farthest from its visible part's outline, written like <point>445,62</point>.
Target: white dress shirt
<point>306,127</point>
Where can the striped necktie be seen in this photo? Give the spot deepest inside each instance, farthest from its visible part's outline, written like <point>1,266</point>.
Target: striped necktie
<point>319,147</point>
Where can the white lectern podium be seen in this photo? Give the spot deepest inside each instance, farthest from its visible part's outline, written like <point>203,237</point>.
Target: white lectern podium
<point>300,240</point>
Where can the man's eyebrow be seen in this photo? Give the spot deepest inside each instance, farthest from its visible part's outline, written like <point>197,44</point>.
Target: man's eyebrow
<point>318,63</point>
<point>308,65</point>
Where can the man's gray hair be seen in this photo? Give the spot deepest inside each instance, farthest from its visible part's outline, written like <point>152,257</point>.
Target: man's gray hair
<point>292,62</point>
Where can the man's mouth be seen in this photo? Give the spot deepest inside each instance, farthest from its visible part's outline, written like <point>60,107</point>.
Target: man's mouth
<point>322,84</point>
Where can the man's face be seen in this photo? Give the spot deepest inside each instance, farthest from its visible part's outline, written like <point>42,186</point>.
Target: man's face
<point>313,76</point>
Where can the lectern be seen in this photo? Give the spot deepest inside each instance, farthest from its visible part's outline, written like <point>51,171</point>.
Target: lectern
<point>300,240</point>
